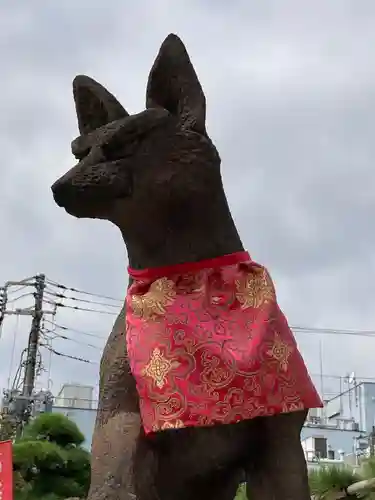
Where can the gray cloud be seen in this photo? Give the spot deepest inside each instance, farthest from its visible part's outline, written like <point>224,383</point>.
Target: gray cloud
<point>290,91</point>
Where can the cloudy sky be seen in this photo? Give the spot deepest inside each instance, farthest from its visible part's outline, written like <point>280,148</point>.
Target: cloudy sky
<point>290,90</point>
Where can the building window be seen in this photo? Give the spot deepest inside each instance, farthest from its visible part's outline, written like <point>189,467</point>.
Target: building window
<point>320,446</point>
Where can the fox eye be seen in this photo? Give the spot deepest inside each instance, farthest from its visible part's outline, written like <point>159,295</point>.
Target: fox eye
<point>118,148</point>
<point>113,150</point>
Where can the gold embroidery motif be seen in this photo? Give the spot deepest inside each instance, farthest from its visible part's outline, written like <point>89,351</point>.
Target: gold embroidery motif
<point>255,289</point>
<point>177,424</point>
<point>291,407</point>
<point>158,368</point>
<point>281,352</point>
<point>153,303</point>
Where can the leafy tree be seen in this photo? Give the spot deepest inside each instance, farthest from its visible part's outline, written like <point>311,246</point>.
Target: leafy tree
<point>54,427</point>
<point>7,427</point>
<point>49,461</point>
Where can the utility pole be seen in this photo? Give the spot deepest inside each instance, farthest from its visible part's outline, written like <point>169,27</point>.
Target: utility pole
<point>32,348</point>
<point>18,401</point>
<point>3,305</point>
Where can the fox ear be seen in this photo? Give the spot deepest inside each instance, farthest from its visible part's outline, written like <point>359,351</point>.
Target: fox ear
<point>95,106</point>
<point>174,85</point>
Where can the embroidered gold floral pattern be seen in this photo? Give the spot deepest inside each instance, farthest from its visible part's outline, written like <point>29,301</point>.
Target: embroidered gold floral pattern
<point>281,351</point>
<point>255,289</point>
<point>159,367</point>
<point>177,424</point>
<point>153,303</point>
<point>289,408</point>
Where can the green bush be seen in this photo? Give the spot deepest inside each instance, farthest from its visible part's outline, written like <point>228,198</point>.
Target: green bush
<point>331,479</point>
<point>54,427</point>
<point>49,462</point>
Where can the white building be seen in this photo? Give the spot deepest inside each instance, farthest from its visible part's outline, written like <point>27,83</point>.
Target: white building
<point>341,431</point>
<point>77,402</point>
<point>75,396</point>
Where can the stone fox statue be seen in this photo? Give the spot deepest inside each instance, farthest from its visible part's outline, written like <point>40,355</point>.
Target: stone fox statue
<point>201,378</point>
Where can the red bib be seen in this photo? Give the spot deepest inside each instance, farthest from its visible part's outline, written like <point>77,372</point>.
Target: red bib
<point>208,344</point>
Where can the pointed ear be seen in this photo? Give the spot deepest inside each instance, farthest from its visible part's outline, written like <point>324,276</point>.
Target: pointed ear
<point>174,85</point>
<point>95,106</point>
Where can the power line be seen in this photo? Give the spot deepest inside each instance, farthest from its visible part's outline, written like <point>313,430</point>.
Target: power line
<point>297,329</point>
<point>78,308</point>
<point>29,294</point>
<point>64,337</point>
<point>62,296</point>
<point>18,289</point>
<point>75,330</point>
<point>75,358</point>
<point>16,384</point>
<point>59,291</point>
<point>333,331</point>
<point>52,302</point>
<point>102,337</point>
<point>63,287</point>
<point>60,304</point>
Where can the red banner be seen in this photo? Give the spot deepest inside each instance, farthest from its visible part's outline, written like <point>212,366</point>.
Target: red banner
<point>6,470</point>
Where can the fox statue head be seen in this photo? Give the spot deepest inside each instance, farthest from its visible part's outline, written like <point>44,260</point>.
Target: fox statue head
<point>155,174</point>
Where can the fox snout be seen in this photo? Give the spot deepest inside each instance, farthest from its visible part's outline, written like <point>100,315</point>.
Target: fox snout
<point>57,192</point>
<point>64,192</point>
<point>105,156</point>
<point>92,186</point>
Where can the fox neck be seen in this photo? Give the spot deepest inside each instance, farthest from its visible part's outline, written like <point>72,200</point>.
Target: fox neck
<point>213,234</point>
